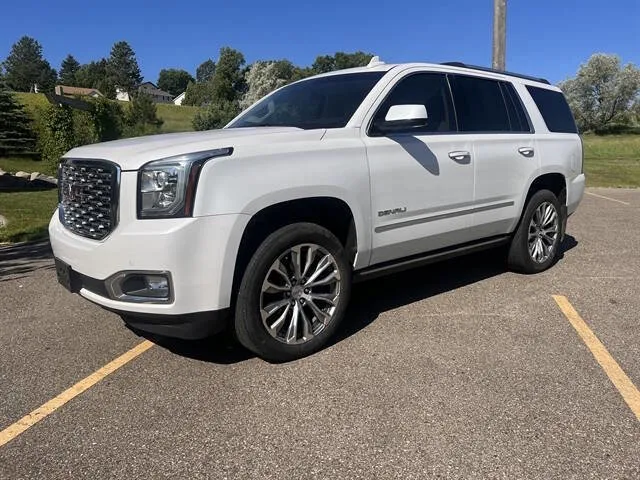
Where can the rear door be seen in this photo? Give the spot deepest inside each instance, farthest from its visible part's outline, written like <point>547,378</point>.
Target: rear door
<point>490,112</point>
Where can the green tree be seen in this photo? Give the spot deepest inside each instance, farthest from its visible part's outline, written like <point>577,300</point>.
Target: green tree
<point>352,60</point>
<point>68,71</point>
<point>122,67</point>
<point>90,74</point>
<point>94,75</point>
<point>16,134</point>
<point>174,80</point>
<point>323,64</point>
<point>205,71</point>
<point>340,61</point>
<point>603,92</point>
<point>215,116</point>
<point>228,83</point>
<point>197,94</point>
<point>25,67</point>
<point>635,111</point>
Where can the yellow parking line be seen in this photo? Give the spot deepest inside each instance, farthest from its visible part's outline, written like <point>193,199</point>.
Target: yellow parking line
<point>30,419</point>
<point>607,198</point>
<point>620,380</point>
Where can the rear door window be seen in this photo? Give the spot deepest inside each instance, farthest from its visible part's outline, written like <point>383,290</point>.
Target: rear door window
<point>517,115</point>
<point>480,105</point>
<point>554,109</point>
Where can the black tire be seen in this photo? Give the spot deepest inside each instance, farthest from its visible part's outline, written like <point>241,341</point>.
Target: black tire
<point>519,259</point>
<point>249,328</point>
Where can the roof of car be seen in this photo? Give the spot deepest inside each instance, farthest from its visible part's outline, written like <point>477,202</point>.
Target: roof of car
<point>378,66</point>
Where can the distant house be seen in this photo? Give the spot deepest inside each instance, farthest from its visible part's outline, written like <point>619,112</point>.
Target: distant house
<point>158,96</point>
<point>179,99</point>
<point>66,91</point>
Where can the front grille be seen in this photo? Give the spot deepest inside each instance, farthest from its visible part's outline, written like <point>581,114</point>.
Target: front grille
<point>89,197</point>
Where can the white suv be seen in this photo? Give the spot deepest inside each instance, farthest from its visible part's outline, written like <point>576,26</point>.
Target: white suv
<point>264,224</point>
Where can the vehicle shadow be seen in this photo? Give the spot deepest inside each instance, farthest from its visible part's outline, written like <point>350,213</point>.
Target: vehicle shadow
<point>419,151</point>
<point>368,300</point>
<point>18,260</point>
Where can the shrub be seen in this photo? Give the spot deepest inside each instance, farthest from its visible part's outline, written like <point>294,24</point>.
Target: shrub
<point>215,116</point>
<point>617,129</point>
<point>84,132</point>
<point>142,117</point>
<point>107,118</point>
<point>57,135</point>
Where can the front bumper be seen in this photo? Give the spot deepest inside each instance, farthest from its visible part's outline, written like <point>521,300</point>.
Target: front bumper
<point>199,253</point>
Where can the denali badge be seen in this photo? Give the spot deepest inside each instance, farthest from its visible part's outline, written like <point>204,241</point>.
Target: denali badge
<point>393,211</point>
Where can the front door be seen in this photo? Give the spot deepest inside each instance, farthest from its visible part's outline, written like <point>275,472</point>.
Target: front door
<point>422,179</point>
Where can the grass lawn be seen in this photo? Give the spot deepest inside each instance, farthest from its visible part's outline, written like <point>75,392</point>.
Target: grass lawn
<point>612,160</point>
<point>25,164</point>
<point>176,118</point>
<point>27,213</point>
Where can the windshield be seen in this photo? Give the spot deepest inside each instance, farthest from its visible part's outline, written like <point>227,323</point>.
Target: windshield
<point>325,102</point>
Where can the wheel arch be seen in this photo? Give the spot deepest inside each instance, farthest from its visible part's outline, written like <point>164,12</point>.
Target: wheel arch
<point>330,212</point>
<point>553,181</point>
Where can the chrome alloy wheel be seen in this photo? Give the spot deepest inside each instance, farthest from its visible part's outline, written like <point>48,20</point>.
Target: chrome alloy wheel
<point>300,294</point>
<point>544,229</point>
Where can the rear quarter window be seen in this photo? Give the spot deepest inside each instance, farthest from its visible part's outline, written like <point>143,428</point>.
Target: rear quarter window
<point>554,109</point>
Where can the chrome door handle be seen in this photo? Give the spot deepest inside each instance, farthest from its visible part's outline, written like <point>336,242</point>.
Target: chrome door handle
<point>460,156</point>
<point>526,152</point>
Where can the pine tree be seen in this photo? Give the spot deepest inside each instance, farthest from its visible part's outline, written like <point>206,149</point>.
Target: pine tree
<point>122,67</point>
<point>68,70</point>
<point>26,67</point>
<point>16,135</point>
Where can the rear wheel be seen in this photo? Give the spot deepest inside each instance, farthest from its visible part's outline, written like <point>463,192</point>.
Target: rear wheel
<point>536,243</point>
<point>293,294</point>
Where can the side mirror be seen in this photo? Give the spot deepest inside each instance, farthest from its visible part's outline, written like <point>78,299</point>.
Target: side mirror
<point>402,117</point>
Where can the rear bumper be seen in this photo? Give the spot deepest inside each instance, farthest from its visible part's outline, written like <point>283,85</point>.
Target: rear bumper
<point>575,192</point>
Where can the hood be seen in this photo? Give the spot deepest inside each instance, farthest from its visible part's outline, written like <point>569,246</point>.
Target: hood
<point>132,153</point>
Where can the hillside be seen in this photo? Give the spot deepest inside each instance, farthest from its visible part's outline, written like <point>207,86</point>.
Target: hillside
<point>176,118</point>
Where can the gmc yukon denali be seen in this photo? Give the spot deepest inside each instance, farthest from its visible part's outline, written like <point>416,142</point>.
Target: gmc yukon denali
<point>263,225</point>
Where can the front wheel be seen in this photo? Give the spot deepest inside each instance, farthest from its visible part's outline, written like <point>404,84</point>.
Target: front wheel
<point>536,243</point>
<point>293,294</point>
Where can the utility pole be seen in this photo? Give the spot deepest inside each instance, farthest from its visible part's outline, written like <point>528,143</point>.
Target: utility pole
<point>499,34</point>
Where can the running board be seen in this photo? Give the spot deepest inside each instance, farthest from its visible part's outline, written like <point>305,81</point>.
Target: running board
<point>423,259</point>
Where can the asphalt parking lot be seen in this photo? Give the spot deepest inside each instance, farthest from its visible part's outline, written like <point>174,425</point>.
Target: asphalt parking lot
<point>460,370</point>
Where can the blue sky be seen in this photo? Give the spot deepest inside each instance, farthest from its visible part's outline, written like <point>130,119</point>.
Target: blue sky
<point>549,38</point>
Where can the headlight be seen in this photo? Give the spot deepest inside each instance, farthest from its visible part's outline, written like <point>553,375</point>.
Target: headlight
<point>167,187</point>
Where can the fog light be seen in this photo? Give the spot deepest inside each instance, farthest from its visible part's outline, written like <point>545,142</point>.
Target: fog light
<point>140,287</point>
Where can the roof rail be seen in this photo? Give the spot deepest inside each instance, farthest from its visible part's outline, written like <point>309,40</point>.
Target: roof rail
<point>492,70</point>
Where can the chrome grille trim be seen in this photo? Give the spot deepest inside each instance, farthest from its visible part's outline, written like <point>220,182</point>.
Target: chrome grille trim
<point>88,193</point>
